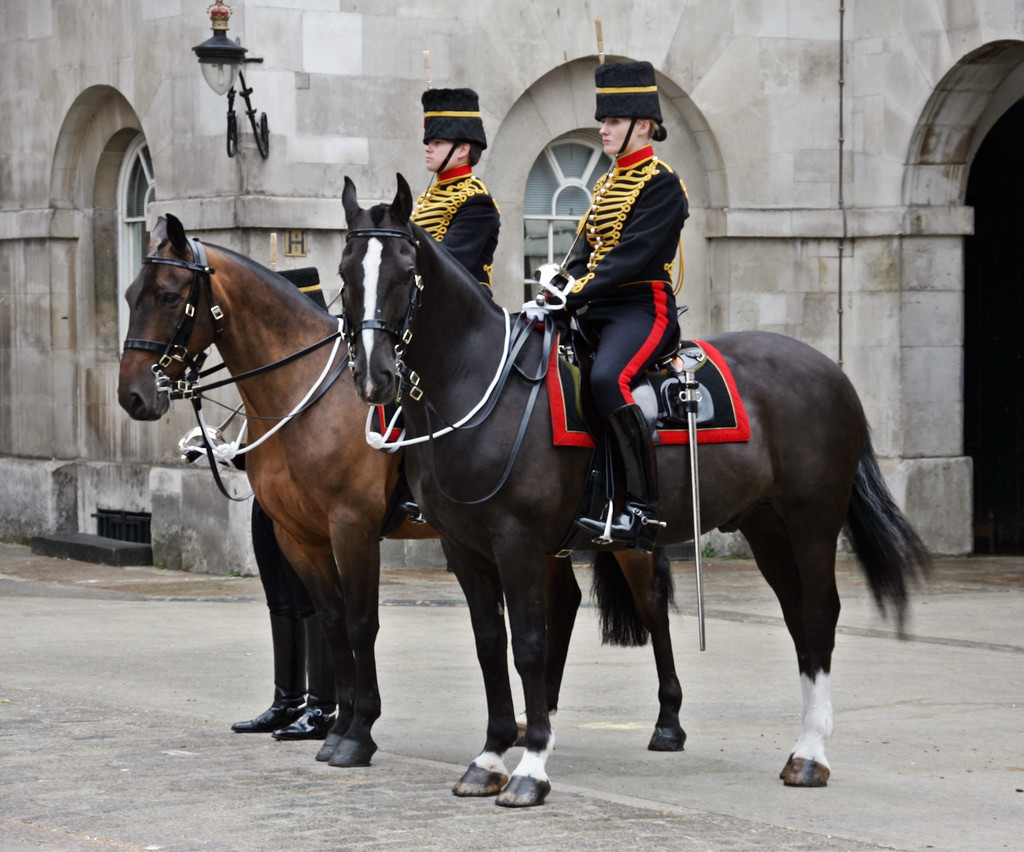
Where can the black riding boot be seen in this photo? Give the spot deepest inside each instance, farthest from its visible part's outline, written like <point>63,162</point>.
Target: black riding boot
<point>322,694</point>
<point>289,677</point>
<point>636,525</point>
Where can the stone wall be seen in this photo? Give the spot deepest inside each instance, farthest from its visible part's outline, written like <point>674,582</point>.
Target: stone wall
<point>752,101</point>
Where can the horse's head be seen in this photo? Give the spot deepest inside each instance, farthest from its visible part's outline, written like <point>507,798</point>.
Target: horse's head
<point>166,328</point>
<point>378,268</point>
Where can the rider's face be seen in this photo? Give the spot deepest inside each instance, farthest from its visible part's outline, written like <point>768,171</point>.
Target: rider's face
<point>613,133</point>
<point>437,150</point>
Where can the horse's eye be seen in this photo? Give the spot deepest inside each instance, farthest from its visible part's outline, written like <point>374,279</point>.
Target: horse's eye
<point>169,298</point>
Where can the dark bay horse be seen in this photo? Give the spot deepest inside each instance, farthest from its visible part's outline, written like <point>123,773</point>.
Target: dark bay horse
<point>325,489</point>
<point>807,471</point>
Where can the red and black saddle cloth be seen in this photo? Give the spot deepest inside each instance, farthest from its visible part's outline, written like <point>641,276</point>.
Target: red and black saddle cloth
<point>721,416</point>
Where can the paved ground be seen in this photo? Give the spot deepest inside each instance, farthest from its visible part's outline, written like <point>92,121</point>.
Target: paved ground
<point>118,688</point>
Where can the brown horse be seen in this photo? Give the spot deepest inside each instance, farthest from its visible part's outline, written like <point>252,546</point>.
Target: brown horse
<point>325,488</point>
<point>417,323</point>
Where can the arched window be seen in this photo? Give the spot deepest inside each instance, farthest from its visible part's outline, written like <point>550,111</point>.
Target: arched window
<point>558,194</point>
<point>135,190</point>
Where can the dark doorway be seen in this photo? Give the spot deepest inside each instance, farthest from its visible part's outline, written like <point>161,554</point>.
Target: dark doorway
<point>994,336</point>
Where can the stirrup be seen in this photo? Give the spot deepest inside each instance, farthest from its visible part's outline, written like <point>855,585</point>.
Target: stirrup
<point>412,509</point>
<point>635,528</point>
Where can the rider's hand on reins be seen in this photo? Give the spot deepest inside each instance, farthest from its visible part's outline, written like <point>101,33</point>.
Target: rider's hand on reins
<point>555,285</point>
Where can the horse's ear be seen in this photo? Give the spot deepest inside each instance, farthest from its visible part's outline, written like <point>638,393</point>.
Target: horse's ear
<point>158,234</point>
<point>402,205</point>
<point>176,234</point>
<point>349,200</point>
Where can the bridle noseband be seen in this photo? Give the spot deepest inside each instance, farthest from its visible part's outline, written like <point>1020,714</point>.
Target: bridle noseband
<point>176,349</point>
<point>403,334</point>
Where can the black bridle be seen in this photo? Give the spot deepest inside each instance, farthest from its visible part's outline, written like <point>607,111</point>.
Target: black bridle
<point>176,349</point>
<point>403,333</point>
<point>523,332</point>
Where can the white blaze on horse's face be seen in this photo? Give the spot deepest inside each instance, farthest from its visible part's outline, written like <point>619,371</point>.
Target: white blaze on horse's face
<point>371,281</point>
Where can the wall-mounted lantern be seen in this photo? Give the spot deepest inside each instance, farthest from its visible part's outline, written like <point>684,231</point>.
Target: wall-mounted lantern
<point>221,61</point>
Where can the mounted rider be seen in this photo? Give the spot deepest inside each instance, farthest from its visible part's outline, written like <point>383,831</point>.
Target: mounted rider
<point>622,292</point>
<point>456,209</point>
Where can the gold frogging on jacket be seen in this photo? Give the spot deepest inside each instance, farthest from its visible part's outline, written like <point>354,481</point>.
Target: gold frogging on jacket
<point>436,208</point>
<point>615,193</point>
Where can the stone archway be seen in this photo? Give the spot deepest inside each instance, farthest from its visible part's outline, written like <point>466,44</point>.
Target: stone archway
<point>951,131</point>
<point>96,131</point>
<point>993,316</point>
<point>94,136</point>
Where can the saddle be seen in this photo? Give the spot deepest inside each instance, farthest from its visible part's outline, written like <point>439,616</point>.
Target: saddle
<point>721,416</point>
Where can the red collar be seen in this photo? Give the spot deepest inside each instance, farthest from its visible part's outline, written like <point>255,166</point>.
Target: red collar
<point>456,173</point>
<point>627,161</point>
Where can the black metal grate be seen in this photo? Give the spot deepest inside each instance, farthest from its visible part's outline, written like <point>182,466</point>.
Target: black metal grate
<point>123,526</point>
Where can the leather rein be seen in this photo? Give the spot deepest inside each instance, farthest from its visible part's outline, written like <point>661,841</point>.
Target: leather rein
<point>176,349</point>
<point>410,379</point>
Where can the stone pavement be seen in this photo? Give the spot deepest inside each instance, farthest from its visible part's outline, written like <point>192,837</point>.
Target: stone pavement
<point>118,688</point>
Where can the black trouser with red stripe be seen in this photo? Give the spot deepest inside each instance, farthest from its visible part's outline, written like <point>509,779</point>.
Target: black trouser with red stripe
<point>631,332</point>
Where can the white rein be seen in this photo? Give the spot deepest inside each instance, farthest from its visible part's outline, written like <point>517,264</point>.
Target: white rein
<point>379,442</point>
<point>227,450</point>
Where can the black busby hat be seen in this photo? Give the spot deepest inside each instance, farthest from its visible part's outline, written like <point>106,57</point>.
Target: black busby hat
<point>627,90</point>
<point>452,114</point>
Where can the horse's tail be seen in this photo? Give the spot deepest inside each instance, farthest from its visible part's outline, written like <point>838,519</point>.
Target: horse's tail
<point>620,622</point>
<point>890,551</point>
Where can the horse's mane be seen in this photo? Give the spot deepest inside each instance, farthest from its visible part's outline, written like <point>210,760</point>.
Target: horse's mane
<point>277,282</point>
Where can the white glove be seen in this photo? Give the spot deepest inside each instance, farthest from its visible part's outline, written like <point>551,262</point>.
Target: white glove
<point>194,452</point>
<point>533,311</point>
<point>555,285</point>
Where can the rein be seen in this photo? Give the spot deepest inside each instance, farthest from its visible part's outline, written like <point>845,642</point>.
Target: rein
<point>524,329</point>
<point>479,412</point>
<point>176,349</point>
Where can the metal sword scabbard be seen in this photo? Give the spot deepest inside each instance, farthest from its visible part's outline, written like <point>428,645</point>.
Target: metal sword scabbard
<point>691,399</point>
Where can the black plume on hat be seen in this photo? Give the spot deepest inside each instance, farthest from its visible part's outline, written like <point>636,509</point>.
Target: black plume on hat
<point>627,90</point>
<point>452,114</point>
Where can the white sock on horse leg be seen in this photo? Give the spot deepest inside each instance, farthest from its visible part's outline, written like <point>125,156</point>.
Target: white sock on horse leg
<point>817,718</point>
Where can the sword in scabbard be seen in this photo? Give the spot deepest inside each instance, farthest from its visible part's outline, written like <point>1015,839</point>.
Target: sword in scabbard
<point>690,401</point>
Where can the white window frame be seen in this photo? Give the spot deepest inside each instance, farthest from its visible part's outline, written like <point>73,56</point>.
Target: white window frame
<point>599,163</point>
<point>132,235</point>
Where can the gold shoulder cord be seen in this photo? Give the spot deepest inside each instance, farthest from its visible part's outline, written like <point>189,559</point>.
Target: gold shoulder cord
<point>677,288</point>
<point>616,195</point>
<point>436,207</point>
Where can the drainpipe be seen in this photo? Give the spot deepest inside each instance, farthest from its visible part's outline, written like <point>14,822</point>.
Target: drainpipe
<point>842,208</point>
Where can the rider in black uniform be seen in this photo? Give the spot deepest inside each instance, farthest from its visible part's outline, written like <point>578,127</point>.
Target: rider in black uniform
<point>456,210</point>
<point>622,295</point>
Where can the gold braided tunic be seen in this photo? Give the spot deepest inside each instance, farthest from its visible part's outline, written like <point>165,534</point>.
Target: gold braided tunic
<point>459,213</point>
<point>632,229</point>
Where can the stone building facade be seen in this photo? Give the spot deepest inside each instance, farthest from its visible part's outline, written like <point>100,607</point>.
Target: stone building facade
<point>827,150</point>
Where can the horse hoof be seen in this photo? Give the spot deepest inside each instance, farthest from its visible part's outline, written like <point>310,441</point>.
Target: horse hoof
<point>801,772</point>
<point>520,735</point>
<point>329,747</point>
<point>480,782</point>
<point>352,753</point>
<point>522,791</point>
<point>667,739</point>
